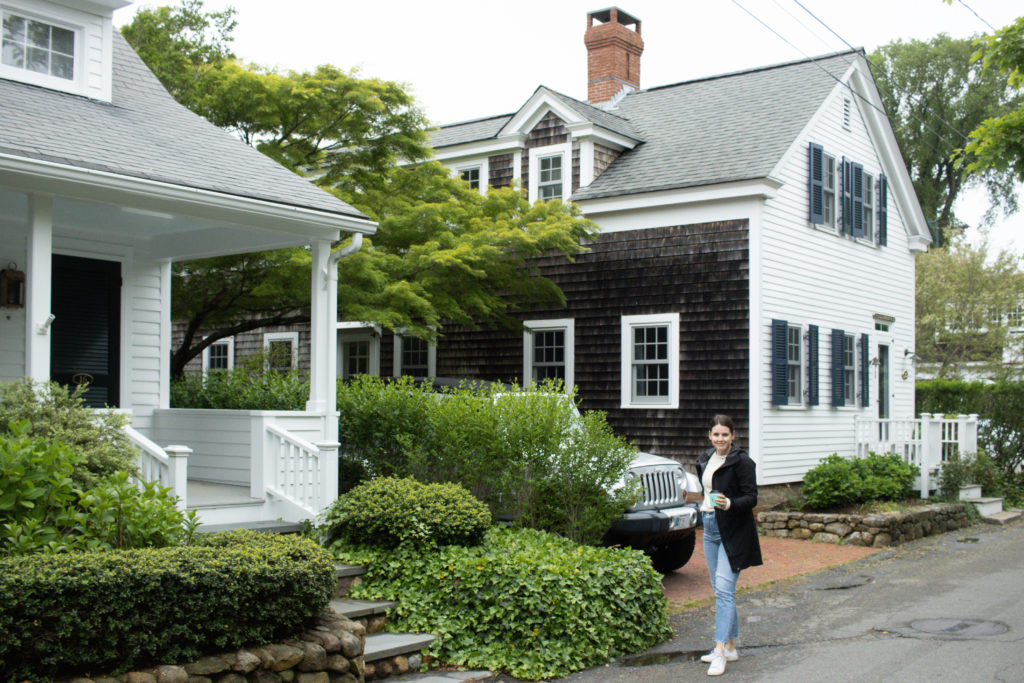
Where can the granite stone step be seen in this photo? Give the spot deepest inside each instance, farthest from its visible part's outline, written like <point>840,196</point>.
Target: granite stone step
<point>383,645</point>
<point>1002,517</point>
<point>986,506</point>
<point>353,609</point>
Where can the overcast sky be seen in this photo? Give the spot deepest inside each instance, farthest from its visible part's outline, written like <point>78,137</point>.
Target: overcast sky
<point>466,59</point>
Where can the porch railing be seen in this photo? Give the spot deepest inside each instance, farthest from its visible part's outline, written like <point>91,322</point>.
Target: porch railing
<point>167,466</point>
<point>298,471</point>
<point>927,442</point>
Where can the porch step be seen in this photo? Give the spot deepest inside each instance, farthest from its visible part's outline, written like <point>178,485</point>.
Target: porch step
<point>354,609</point>
<point>1002,517</point>
<point>275,526</point>
<point>986,506</point>
<point>446,677</point>
<point>384,645</point>
<point>969,491</point>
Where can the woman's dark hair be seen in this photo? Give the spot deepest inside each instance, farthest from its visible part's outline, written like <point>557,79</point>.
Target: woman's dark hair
<point>723,420</point>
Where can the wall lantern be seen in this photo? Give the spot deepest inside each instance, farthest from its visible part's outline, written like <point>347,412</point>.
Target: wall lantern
<point>12,287</point>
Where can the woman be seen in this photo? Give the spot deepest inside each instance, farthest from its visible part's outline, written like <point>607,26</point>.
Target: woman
<point>730,533</point>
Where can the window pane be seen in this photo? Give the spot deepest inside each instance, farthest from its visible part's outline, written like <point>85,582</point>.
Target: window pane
<point>63,41</point>
<point>548,354</point>
<point>38,60</point>
<point>14,55</point>
<point>357,358</point>
<point>39,34</point>
<point>62,67</point>
<point>279,354</point>
<point>218,357</point>
<point>415,353</point>
<point>14,28</point>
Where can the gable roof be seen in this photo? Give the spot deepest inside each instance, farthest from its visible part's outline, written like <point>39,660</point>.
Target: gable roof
<point>722,129</point>
<point>713,130</point>
<point>144,133</point>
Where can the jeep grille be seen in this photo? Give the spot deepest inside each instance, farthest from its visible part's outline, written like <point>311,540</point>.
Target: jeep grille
<point>660,488</point>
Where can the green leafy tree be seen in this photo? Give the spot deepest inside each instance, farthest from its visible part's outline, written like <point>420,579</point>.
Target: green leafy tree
<point>997,143</point>
<point>963,297</point>
<point>935,94</point>
<point>442,252</point>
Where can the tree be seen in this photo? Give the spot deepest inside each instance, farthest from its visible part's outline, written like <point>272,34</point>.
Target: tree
<point>935,94</point>
<point>442,252</point>
<point>997,143</point>
<point>963,301</point>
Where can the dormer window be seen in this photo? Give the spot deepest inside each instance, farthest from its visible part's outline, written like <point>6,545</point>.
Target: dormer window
<point>550,184</point>
<point>38,47</point>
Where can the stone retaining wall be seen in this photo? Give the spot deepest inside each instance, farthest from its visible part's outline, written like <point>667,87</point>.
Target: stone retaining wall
<point>875,530</point>
<point>329,652</point>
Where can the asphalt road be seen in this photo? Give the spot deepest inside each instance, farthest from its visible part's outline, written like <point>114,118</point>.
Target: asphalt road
<point>945,608</point>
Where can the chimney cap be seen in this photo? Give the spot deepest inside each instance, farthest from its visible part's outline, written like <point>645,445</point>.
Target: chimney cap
<point>605,15</point>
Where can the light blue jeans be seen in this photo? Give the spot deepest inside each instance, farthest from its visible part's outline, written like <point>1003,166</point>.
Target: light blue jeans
<point>723,581</point>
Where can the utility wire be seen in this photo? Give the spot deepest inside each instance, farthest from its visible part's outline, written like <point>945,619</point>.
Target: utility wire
<point>971,9</point>
<point>908,95</point>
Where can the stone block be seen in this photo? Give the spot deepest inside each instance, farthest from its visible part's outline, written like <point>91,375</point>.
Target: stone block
<point>314,659</point>
<point>170,674</point>
<point>351,644</point>
<point>401,664</point>
<point>205,666</point>
<point>824,537</point>
<point>245,661</point>
<point>232,677</point>
<point>800,533</point>
<point>138,677</point>
<point>263,676</point>
<point>310,677</point>
<point>815,526</point>
<point>882,540</point>
<point>338,664</point>
<point>840,529</point>
<point>285,656</point>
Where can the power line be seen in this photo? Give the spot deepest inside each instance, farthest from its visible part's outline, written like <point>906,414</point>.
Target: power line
<point>971,9</point>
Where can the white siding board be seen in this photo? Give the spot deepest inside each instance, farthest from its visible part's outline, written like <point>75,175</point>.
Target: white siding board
<point>810,276</point>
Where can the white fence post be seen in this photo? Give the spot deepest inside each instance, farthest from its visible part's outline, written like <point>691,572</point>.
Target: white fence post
<point>177,472</point>
<point>328,472</point>
<point>968,434</point>
<point>931,448</point>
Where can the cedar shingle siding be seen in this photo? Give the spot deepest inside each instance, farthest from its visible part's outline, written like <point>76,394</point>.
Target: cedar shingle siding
<point>500,170</point>
<point>700,271</point>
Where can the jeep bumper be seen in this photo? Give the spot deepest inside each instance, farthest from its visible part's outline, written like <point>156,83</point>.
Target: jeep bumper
<point>652,526</point>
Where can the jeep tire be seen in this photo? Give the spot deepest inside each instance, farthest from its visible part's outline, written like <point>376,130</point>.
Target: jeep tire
<point>671,555</point>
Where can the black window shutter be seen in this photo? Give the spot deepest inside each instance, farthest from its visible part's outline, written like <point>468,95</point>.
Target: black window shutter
<point>838,377</point>
<point>812,365</point>
<point>858,200</point>
<point>817,183</point>
<point>779,364</point>
<point>865,377</point>
<point>847,192</point>
<point>883,210</point>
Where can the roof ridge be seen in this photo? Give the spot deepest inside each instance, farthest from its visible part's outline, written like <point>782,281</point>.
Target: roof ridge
<point>587,104</point>
<point>743,72</point>
<point>478,120</point>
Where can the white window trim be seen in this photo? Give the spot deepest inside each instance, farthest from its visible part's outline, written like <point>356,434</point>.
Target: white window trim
<point>355,331</point>
<point>851,394</point>
<point>568,325</point>
<point>564,149</point>
<point>26,9</point>
<point>396,364</point>
<point>230,342</point>
<point>479,164</point>
<point>293,337</point>
<point>626,353</point>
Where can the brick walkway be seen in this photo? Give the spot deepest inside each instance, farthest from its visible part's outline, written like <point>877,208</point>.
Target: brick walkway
<point>783,558</point>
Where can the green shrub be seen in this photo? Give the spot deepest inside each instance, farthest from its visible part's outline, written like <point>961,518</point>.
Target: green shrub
<point>981,470</point>
<point>527,454</point>
<point>1000,407</point>
<point>43,510</point>
<point>387,512</point>
<point>54,413</point>
<point>246,387</point>
<point>525,601</point>
<point>91,611</point>
<point>837,481</point>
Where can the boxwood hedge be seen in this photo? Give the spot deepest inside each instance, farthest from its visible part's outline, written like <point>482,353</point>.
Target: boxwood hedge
<point>84,612</point>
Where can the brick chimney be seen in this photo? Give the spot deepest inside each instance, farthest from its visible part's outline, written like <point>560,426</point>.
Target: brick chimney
<point>613,53</point>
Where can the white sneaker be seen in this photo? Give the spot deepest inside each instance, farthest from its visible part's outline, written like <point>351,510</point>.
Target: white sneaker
<point>717,667</point>
<point>730,655</point>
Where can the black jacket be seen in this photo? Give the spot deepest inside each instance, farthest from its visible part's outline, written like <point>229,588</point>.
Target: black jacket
<point>737,480</point>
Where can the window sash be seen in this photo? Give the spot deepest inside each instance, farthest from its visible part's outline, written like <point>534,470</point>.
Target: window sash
<point>869,204</point>
<point>829,191</point>
<point>471,176</point>
<point>548,355</point>
<point>37,46</point>
<point>549,184</point>
<point>357,357</point>
<point>650,376</point>
<point>849,369</point>
<point>415,357</point>
<point>217,356</point>
<point>793,365</point>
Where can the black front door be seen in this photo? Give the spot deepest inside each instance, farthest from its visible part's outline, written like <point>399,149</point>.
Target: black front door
<point>86,342</point>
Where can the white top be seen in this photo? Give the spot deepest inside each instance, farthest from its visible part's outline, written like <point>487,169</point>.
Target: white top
<point>714,463</point>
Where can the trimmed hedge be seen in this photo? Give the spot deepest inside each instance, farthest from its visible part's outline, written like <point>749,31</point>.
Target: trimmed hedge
<point>387,512</point>
<point>837,481</point>
<point>78,612</point>
<point>524,601</point>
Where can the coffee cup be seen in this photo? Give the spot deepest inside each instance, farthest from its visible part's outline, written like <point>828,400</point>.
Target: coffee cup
<point>716,498</point>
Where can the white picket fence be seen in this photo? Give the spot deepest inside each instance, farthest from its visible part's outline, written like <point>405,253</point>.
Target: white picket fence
<point>927,442</point>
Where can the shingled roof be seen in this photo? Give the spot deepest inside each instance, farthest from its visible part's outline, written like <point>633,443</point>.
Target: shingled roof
<point>144,133</point>
<point>725,128</point>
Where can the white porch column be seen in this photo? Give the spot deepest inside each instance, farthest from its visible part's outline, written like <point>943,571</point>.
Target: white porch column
<point>38,273</point>
<point>323,335</point>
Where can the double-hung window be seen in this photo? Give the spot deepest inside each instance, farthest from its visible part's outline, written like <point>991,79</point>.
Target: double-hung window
<point>414,357</point>
<point>855,204</point>
<point>219,356</point>
<point>471,176</point>
<point>358,349</point>
<point>650,361</point>
<point>281,350</point>
<point>791,358</point>
<point>869,207</point>
<point>549,182</point>
<point>849,370</point>
<point>548,350</point>
<point>829,191</point>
